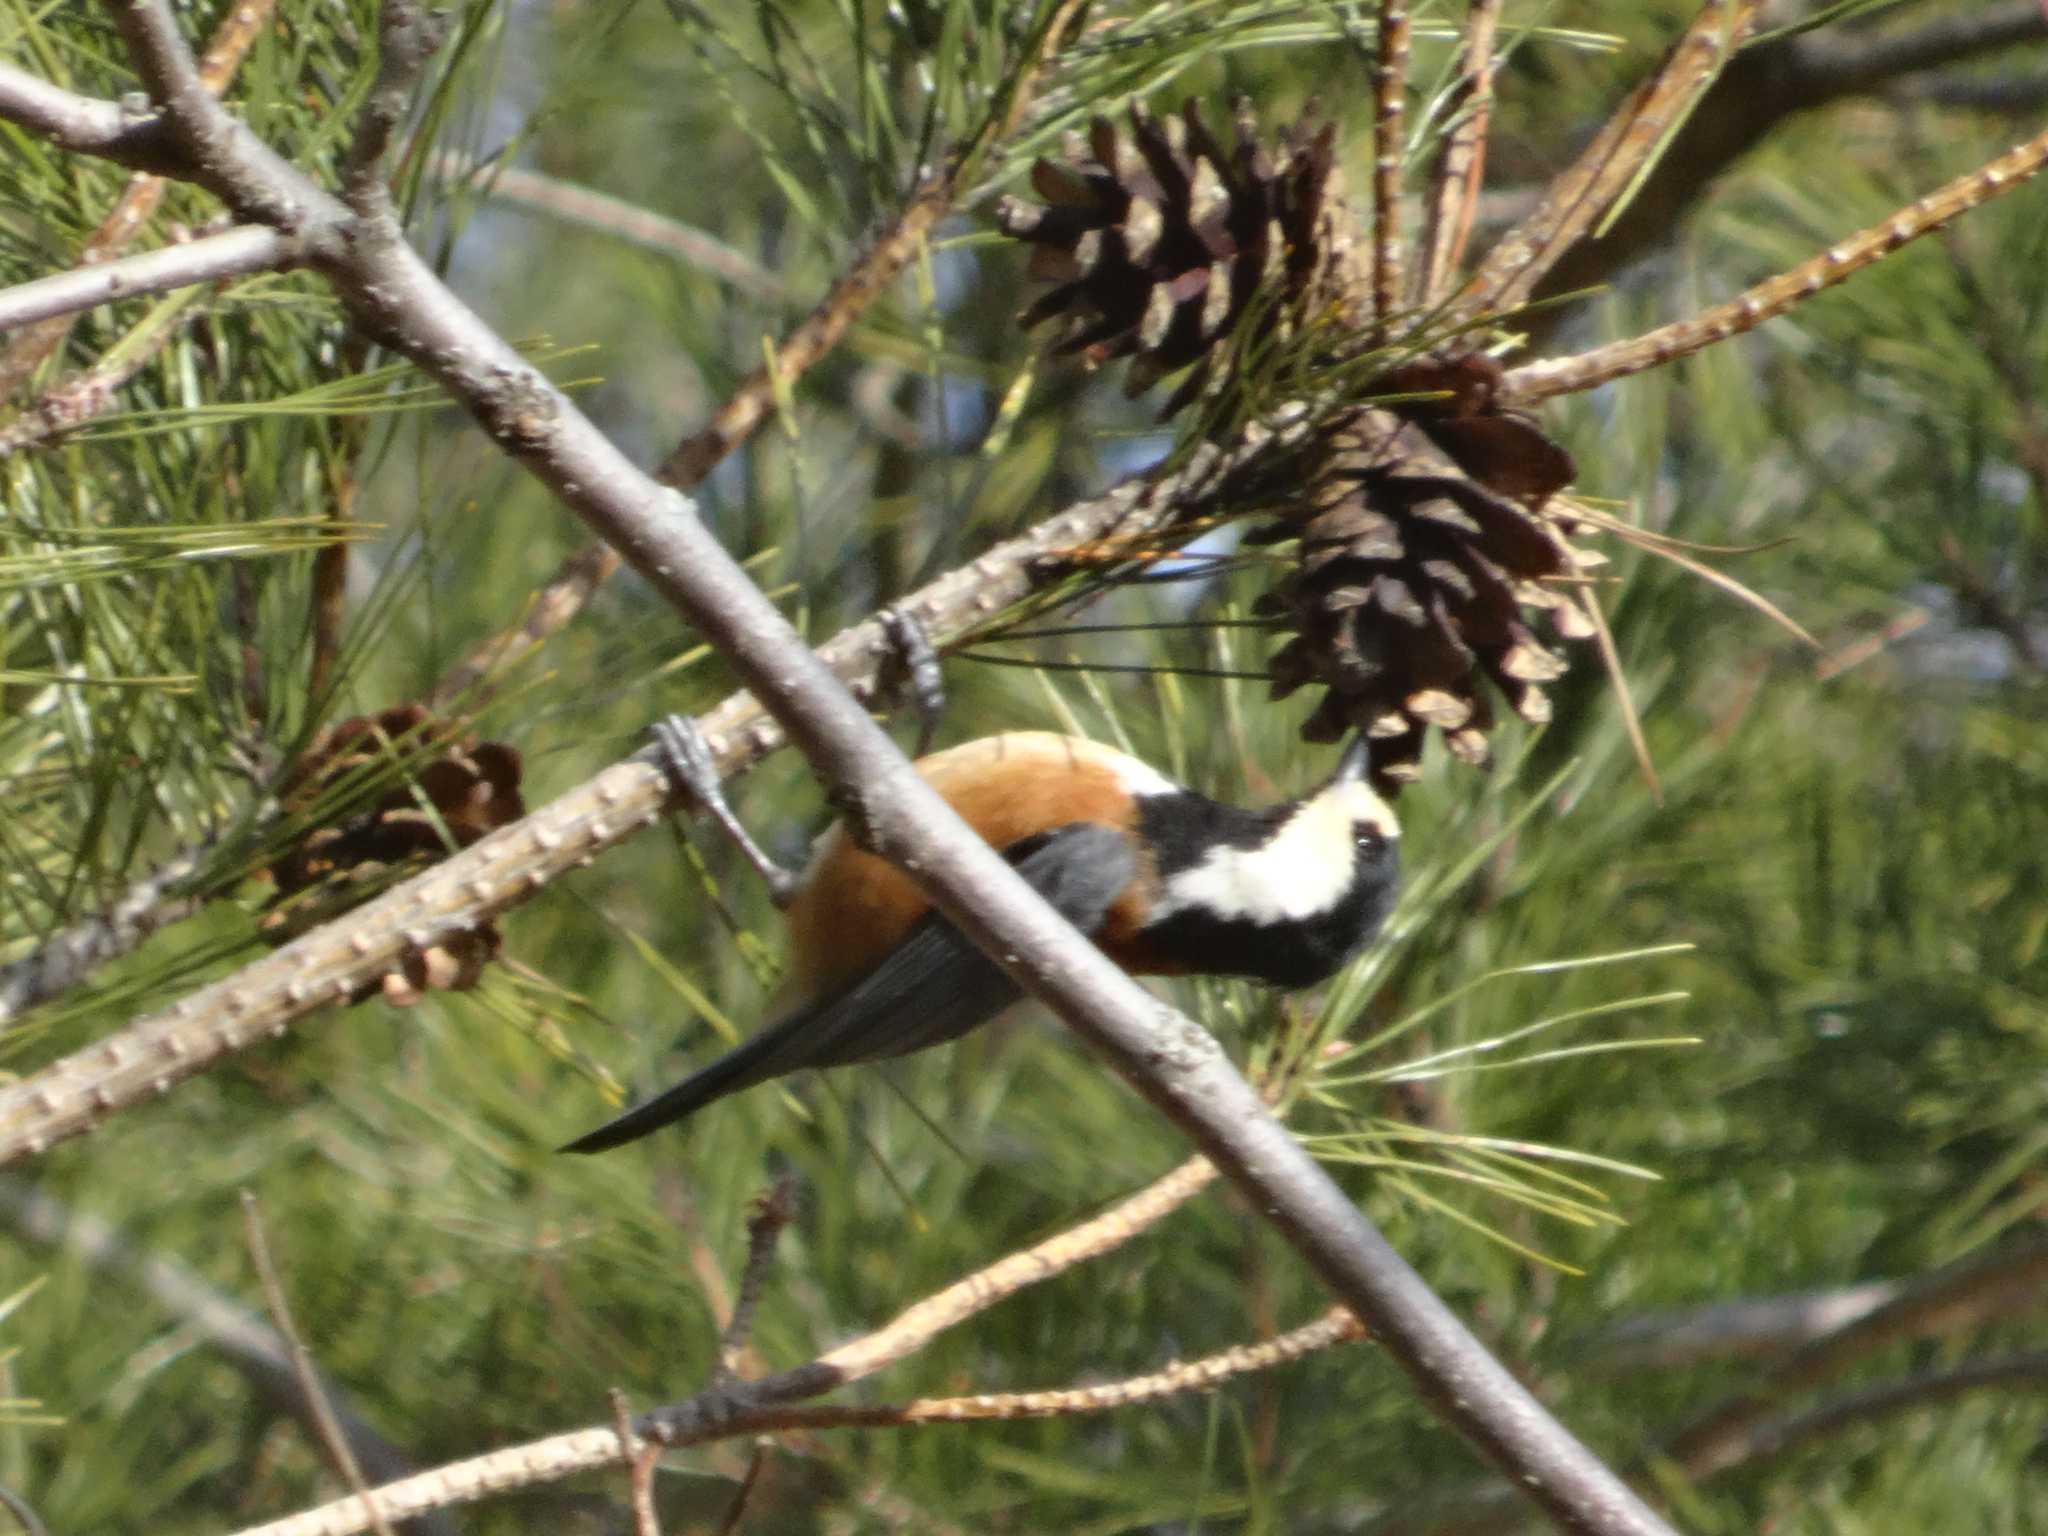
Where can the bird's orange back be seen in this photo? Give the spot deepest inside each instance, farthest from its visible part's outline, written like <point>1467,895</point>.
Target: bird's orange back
<point>854,906</point>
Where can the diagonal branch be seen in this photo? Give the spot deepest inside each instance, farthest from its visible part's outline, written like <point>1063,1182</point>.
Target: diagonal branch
<point>1772,297</point>
<point>1610,166</point>
<point>1461,160</point>
<point>1170,1060</point>
<point>698,1418</point>
<point>1945,1302</point>
<point>209,259</point>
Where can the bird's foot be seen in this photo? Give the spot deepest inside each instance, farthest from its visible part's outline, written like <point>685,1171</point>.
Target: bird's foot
<point>686,758</point>
<point>918,660</point>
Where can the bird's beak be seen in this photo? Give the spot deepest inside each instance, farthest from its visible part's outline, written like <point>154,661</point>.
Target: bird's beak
<point>1355,763</point>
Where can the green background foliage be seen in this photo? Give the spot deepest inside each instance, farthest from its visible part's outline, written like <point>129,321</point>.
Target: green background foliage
<point>1824,1041</point>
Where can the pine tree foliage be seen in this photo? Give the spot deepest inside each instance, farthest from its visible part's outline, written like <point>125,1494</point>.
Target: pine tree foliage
<point>1775,1028</point>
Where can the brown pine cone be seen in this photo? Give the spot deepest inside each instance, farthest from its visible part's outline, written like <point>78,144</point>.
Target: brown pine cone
<point>1424,549</point>
<point>1160,241</point>
<point>455,789</point>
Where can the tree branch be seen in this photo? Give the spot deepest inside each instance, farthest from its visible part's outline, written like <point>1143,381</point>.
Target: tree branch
<point>1945,1302</point>
<point>209,259</point>
<point>910,1330</point>
<point>83,124</point>
<point>1776,78</point>
<point>1831,66</point>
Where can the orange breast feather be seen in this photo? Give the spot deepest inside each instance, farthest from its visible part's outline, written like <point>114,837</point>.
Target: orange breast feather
<point>854,908</point>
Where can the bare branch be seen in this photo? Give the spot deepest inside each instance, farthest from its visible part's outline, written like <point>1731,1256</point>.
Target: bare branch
<point>408,37</point>
<point>773,1210</point>
<point>1777,77</point>
<point>232,38</point>
<point>516,187</point>
<point>23,1512</point>
<point>69,956</point>
<point>555,1458</point>
<point>904,1335</point>
<point>1743,1428</point>
<point>1608,167</point>
<point>1461,160</point>
<point>1337,1326</point>
<point>1389,140</point>
<point>238,252</point>
<point>1946,1302</point>
<point>1774,1437</point>
<point>641,1458</point>
<point>2016,94</point>
<point>1775,295</point>
<point>318,1410</point>
<point>754,401</point>
<point>109,130</point>
<point>1838,66</point>
<point>1745,1329</point>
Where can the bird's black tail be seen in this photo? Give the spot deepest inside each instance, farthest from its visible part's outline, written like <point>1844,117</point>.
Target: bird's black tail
<point>933,987</point>
<point>748,1063</point>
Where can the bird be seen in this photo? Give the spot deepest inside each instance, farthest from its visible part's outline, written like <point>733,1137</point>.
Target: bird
<point>1166,881</point>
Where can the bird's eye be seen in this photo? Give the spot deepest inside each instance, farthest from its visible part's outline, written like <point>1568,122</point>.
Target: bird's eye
<point>1366,839</point>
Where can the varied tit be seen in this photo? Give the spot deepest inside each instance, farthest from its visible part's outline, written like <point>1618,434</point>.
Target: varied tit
<point>1166,881</point>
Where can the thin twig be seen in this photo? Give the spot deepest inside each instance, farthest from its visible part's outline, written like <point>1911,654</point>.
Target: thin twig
<point>68,956</point>
<point>905,1334</point>
<point>74,401</point>
<point>1337,1326</point>
<point>1461,161</point>
<point>641,1457</point>
<point>23,1512</point>
<point>754,401</point>
<point>516,187</point>
<point>1837,66</point>
<point>321,1412</point>
<point>1747,1328</point>
<point>1389,142</point>
<point>773,1210</point>
<point>1744,1427</point>
<point>244,1340</point>
<point>737,1509</point>
<point>1776,1436</point>
<point>859,287</point>
<point>1772,297</point>
<point>553,607</point>
<point>1604,172</point>
<point>1946,1302</point>
<point>235,253</point>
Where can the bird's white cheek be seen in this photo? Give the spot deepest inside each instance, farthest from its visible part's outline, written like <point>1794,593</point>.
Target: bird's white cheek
<point>1274,884</point>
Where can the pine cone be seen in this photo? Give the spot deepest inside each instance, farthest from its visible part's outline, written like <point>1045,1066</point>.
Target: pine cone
<point>1160,241</point>
<point>472,788</point>
<point>1423,540</point>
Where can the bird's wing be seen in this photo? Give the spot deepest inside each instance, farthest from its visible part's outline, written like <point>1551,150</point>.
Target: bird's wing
<point>933,987</point>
